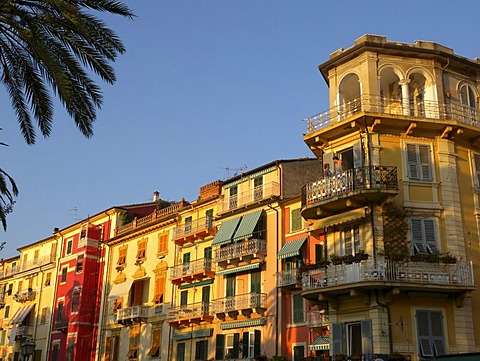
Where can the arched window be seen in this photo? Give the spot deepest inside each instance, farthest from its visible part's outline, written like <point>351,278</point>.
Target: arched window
<point>467,96</point>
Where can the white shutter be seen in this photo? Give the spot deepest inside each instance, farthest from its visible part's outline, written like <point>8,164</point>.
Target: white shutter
<point>367,347</point>
<point>425,164</point>
<point>337,335</point>
<point>423,332</point>
<point>412,162</point>
<point>476,161</point>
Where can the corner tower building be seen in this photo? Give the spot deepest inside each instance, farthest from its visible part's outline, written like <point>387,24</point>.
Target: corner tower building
<point>399,209</point>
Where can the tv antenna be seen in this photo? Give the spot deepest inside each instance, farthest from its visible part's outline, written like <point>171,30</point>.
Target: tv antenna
<point>240,170</point>
<point>74,213</point>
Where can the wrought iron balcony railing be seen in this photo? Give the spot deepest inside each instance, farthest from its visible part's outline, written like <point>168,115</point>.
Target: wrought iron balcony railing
<point>25,295</point>
<point>241,249</point>
<point>382,105</point>
<point>252,300</point>
<point>316,319</point>
<point>365,178</point>
<point>133,314</point>
<point>62,322</point>
<point>265,191</point>
<point>288,277</point>
<point>37,262</point>
<point>193,227</point>
<point>190,311</point>
<point>458,274</point>
<point>9,271</point>
<point>24,331</point>
<point>192,267</point>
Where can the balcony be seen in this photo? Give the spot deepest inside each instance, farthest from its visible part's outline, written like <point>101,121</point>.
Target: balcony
<point>348,190</point>
<point>244,304</point>
<point>37,262</point>
<point>192,271</point>
<point>187,315</point>
<point>242,251</point>
<point>133,314</point>
<point>23,332</point>
<point>25,295</point>
<point>258,194</point>
<point>377,106</point>
<point>189,232</point>
<point>9,271</point>
<point>317,319</point>
<point>413,276</point>
<point>289,278</point>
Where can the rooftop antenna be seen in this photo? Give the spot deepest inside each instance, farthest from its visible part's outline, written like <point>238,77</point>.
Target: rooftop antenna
<point>240,170</point>
<point>74,213</point>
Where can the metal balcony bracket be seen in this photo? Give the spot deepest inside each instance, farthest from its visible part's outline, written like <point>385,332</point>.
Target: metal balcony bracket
<point>376,122</point>
<point>410,128</point>
<point>446,132</point>
<point>390,295</point>
<point>461,297</point>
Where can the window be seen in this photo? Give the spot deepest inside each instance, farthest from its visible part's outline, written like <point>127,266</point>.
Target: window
<point>3,337</point>
<point>36,254</point>
<point>183,298</point>
<point>251,342</point>
<point>476,169</point>
<point>70,349</point>
<point>233,197</point>
<point>207,253</point>
<point>60,312</point>
<point>201,350</point>
<point>7,312</point>
<point>299,352</point>
<point>467,96</point>
<point>25,257</point>
<point>351,239</point>
<point>159,288</point>
<point>181,351</point>
<point>30,283</point>
<point>230,286</point>
<point>55,349</point>
<point>69,246</point>
<point>10,289</point>
<point>75,300</point>
<point>205,295</point>
<point>209,218</point>
<point>111,349</point>
<point>188,225</point>
<point>298,308</point>
<point>48,278</point>
<point>430,333</point>
<point>319,253</point>
<point>358,337</point>
<point>79,266</point>
<point>423,235</point>
<point>142,249</point>
<point>83,232</point>
<point>296,222</point>
<point>220,347</point>
<point>20,286</point>
<point>232,342</point>
<point>162,243</point>
<point>155,349</point>
<point>419,164</point>
<point>258,188</point>
<point>122,256</point>
<point>256,281</point>
<point>134,342</point>
<point>43,316</point>
<point>136,293</point>
<point>64,274</point>
<point>117,305</point>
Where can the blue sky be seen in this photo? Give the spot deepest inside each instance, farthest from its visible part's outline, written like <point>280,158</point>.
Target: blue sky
<point>203,86</point>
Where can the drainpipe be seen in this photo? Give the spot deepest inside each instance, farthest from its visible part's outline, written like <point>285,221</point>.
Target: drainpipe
<point>389,320</point>
<point>276,288</point>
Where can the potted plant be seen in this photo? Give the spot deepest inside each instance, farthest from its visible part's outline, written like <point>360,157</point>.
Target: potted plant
<point>335,258</point>
<point>348,259</point>
<point>323,262</point>
<point>433,258</point>
<point>447,258</point>
<point>360,255</point>
<point>418,257</point>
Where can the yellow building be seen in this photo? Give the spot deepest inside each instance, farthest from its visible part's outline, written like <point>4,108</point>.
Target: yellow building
<point>399,196</point>
<point>28,285</point>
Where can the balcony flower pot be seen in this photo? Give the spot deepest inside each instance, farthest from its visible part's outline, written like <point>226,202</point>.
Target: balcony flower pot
<point>417,257</point>
<point>448,259</point>
<point>433,258</point>
<point>323,263</point>
<point>360,256</point>
<point>348,259</point>
<point>336,259</point>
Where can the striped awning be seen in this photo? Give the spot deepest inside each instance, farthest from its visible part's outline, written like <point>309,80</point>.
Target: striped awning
<point>206,332</point>
<point>339,218</point>
<point>292,248</point>
<point>321,343</point>
<point>196,284</point>
<point>21,314</point>
<point>247,225</point>
<point>241,324</point>
<point>226,231</point>
<point>238,269</point>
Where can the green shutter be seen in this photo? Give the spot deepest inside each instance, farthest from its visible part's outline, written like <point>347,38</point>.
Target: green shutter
<point>257,343</point>
<point>337,336</point>
<point>256,282</point>
<point>298,310</point>
<point>367,347</point>
<point>245,344</point>
<point>236,344</point>
<point>220,347</point>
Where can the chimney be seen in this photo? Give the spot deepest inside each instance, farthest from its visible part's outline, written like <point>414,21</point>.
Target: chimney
<point>55,230</point>
<point>156,196</point>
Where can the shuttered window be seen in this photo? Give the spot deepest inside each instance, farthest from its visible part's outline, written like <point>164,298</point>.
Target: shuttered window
<point>201,350</point>
<point>351,239</point>
<point>423,235</point>
<point>155,349</point>
<point>298,312</point>
<point>256,282</point>
<point>183,298</point>
<point>111,348</point>
<point>338,335</point>
<point>431,339</point>
<point>419,163</point>
<point>220,347</point>
<point>136,293</point>
<point>142,250</point>
<point>296,221</point>
<point>159,289</point>
<point>467,96</point>
<point>162,243</point>
<point>134,342</point>
<point>122,256</point>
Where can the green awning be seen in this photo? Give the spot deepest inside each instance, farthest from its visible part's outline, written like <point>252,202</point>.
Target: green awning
<point>226,231</point>
<point>196,284</point>
<point>292,248</point>
<point>320,343</point>
<point>238,269</point>
<point>207,332</point>
<point>241,324</point>
<point>247,225</point>
<point>340,218</point>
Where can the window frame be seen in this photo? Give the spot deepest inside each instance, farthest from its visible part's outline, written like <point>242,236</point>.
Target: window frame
<point>162,243</point>
<point>432,338</point>
<point>419,162</point>
<point>350,231</point>
<point>424,235</point>
<point>296,221</point>
<point>122,255</point>
<point>69,247</point>
<point>295,304</point>
<point>63,274</point>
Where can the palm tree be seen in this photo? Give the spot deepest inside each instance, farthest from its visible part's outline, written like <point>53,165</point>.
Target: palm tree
<point>47,46</point>
<point>6,196</point>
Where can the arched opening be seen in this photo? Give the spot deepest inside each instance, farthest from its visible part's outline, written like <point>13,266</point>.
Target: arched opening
<point>390,91</point>
<point>348,97</point>
<point>417,94</point>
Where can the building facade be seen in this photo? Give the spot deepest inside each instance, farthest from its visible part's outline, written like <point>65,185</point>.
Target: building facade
<point>398,202</point>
